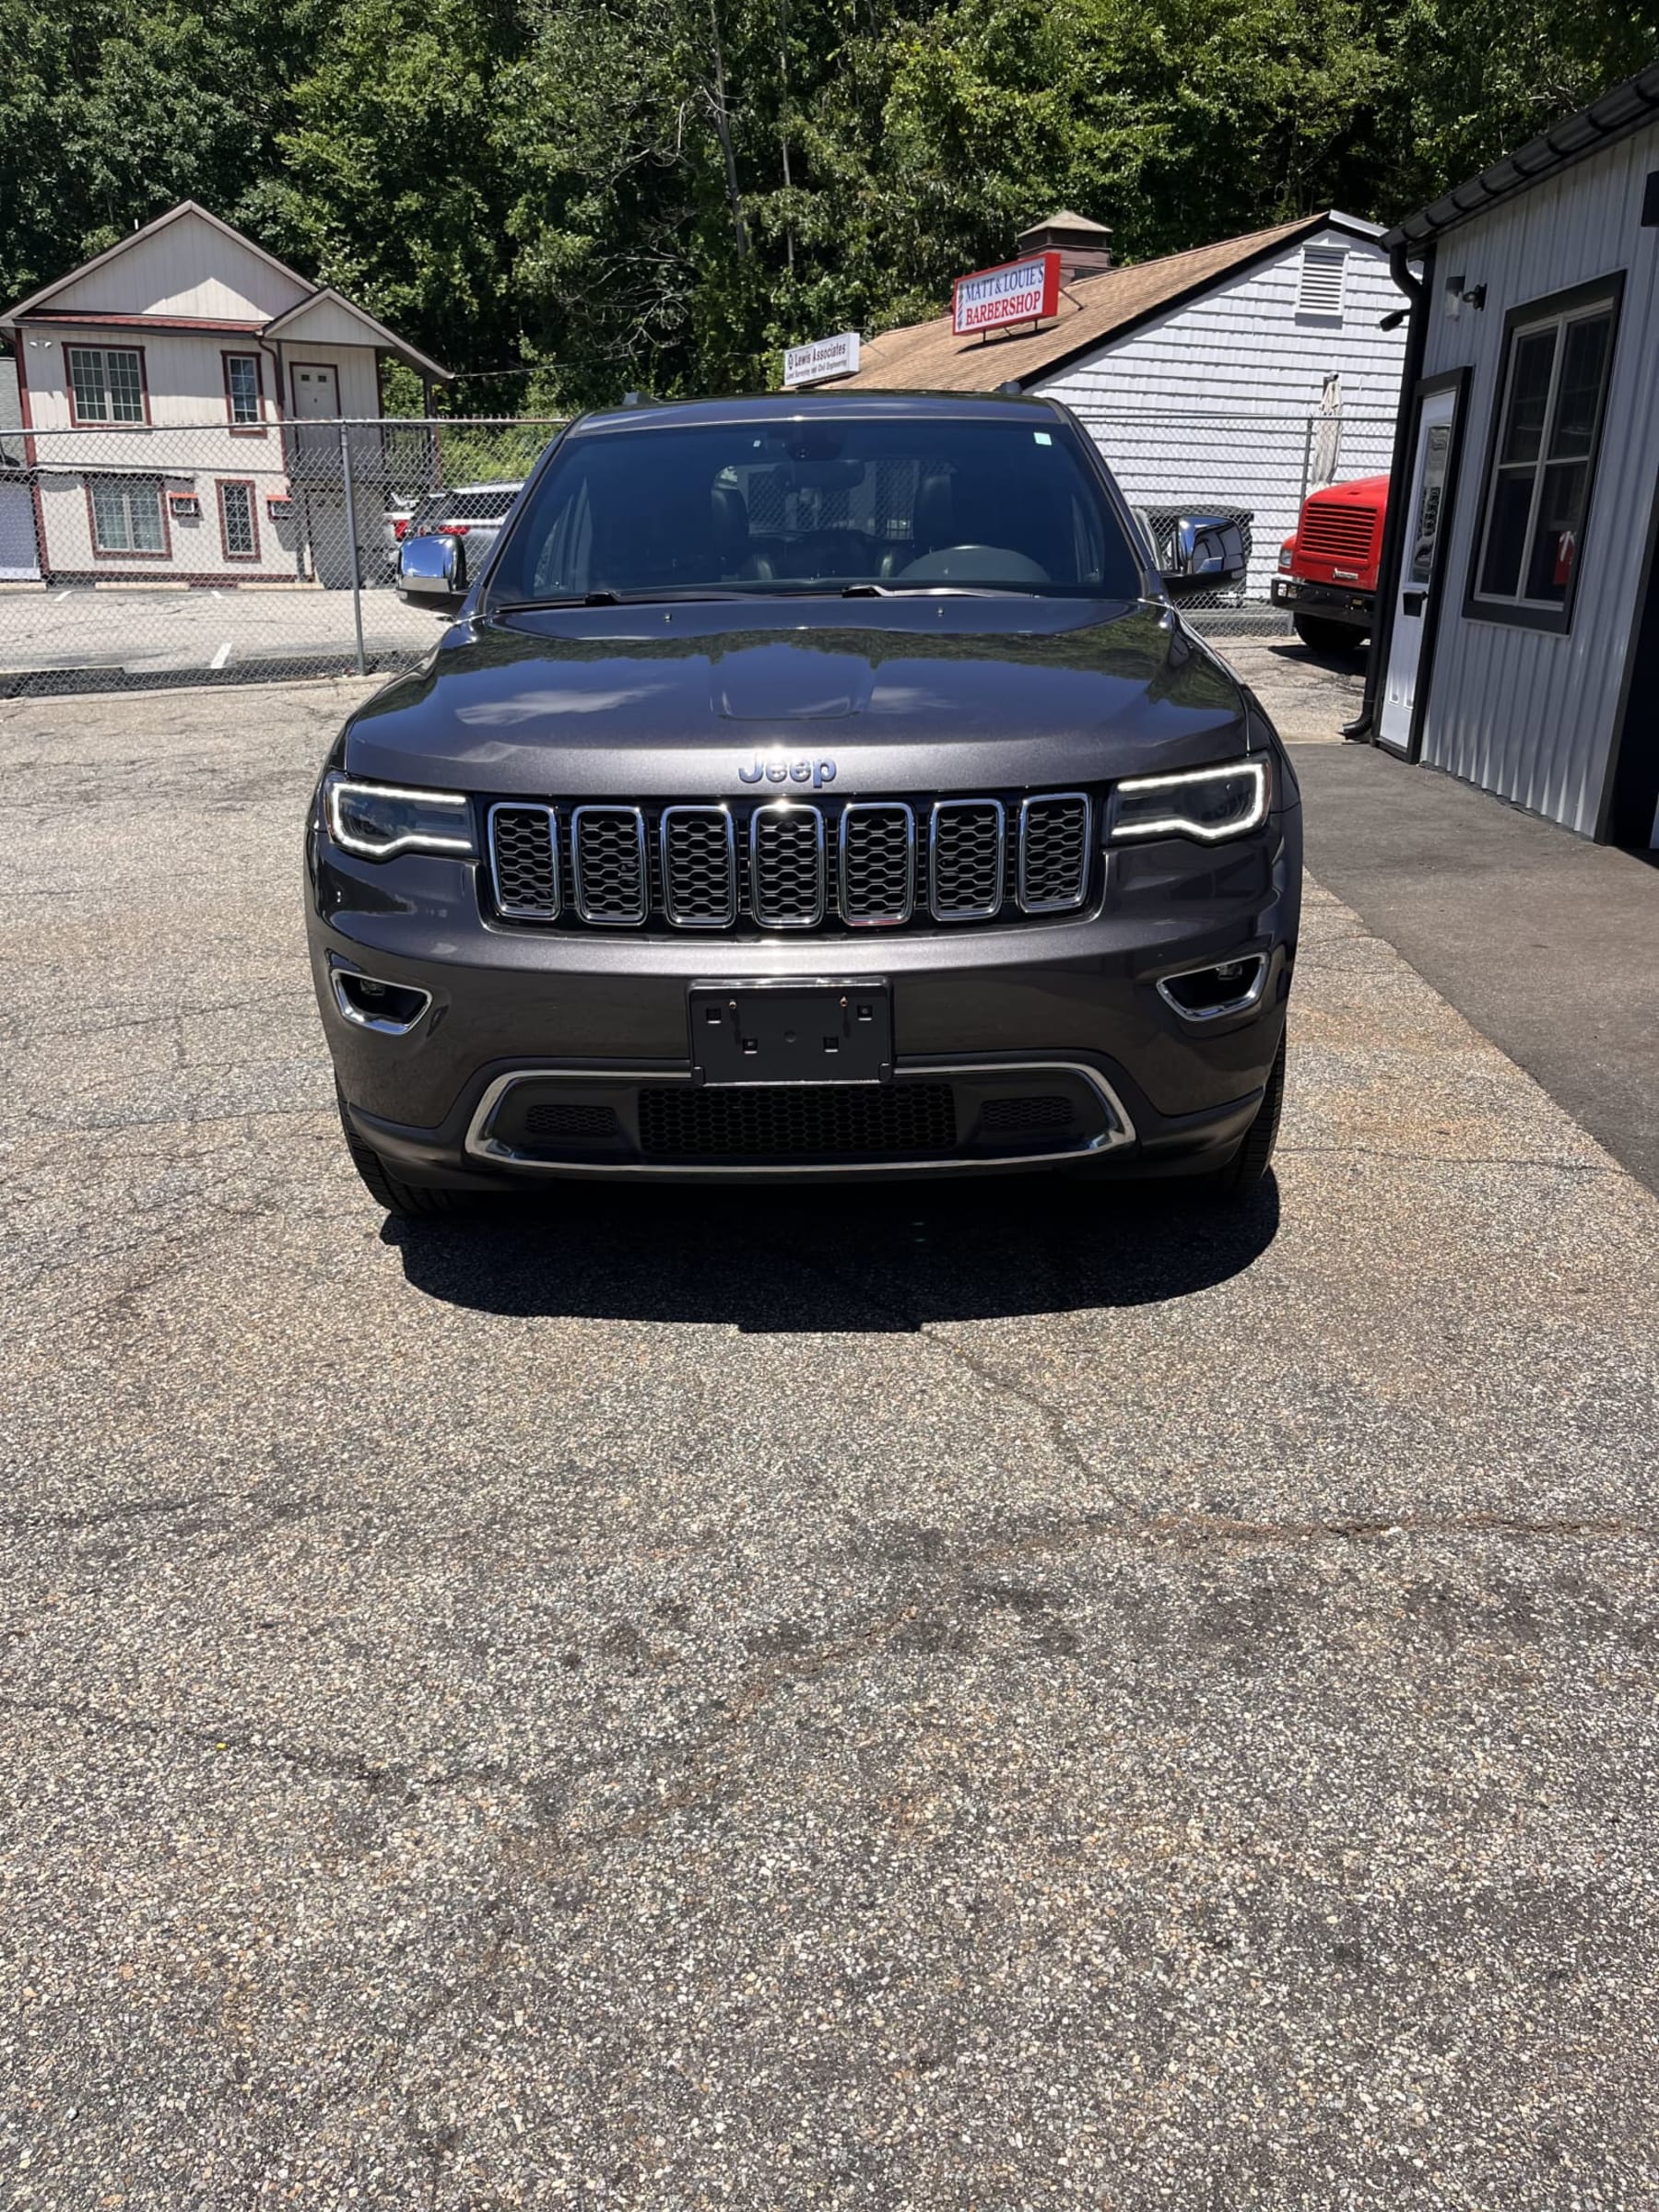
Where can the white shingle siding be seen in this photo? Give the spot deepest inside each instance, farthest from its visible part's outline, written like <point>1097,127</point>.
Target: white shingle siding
<point>1211,402</point>
<point>1526,713</point>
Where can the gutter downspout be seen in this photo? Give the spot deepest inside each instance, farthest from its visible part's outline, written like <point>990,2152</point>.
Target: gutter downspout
<point>1417,291</point>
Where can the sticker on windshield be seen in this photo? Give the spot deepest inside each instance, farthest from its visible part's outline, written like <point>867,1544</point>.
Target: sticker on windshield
<point>1042,438</point>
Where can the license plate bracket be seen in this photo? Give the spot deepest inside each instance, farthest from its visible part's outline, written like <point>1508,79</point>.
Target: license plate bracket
<point>830,1030</point>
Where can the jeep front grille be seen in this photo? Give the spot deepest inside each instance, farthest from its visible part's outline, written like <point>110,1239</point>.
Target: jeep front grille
<point>877,864</point>
<point>761,865</point>
<point>699,867</point>
<point>1053,851</point>
<point>788,886</point>
<point>524,860</point>
<point>965,859</point>
<point>608,878</point>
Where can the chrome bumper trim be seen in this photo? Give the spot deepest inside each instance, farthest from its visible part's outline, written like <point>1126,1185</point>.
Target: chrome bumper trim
<point>481,1145</point>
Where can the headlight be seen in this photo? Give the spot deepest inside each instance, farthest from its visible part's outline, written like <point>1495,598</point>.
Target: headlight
<point>1205,802</point>
<point>1288,553</point>
<point>379,819</point>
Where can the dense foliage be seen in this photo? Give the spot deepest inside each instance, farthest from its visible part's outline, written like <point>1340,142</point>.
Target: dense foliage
<point>565,197</point>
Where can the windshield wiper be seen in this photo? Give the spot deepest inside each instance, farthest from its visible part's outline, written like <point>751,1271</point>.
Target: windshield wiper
<point>535,607</point>
<point>942,590</point>
<point>611,598</point>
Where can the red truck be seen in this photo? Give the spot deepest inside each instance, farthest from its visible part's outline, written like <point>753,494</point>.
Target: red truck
<point>1327,572</point>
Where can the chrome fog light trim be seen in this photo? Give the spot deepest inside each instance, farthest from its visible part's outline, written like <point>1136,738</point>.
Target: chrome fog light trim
<point>1253,980</point>
<point>355,992</point>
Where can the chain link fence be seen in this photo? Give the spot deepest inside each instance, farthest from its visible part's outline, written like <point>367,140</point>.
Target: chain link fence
<point>134,556</point>
<point>1254,468</point>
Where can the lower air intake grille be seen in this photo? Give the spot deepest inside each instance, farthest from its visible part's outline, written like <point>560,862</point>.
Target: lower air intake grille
<point>524,860</point>
<point>1019,1117</point>
<point>829,1121</point>
<point>1053,853</point>
<point>610,881</point>
<point>556,1120</point>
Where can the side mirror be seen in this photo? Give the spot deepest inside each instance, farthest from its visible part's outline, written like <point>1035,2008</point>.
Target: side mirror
<point>1210,552</point>
<point>431,572</point>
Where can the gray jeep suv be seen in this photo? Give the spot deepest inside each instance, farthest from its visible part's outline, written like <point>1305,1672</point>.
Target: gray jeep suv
<point>808,787</point>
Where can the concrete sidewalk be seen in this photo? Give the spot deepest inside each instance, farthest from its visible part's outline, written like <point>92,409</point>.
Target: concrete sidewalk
<point>1547,943</point>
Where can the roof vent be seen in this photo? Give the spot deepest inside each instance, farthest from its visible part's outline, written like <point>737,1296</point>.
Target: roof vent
<point>1320,292</point>
<point>1085,248</point>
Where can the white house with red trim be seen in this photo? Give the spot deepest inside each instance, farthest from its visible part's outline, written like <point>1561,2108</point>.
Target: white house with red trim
<point>165,388</point>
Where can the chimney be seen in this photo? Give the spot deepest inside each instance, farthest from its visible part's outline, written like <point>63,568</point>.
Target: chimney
<point>1085,248</point>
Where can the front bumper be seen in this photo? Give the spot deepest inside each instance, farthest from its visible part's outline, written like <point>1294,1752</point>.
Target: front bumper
<point>1331,602</point>
<point>1010,1021</point>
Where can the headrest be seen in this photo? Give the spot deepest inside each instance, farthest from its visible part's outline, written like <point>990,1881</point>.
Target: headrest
<point>730,513</point>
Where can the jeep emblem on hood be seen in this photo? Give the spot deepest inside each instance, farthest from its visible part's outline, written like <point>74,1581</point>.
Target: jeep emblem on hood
<point>775,769</point>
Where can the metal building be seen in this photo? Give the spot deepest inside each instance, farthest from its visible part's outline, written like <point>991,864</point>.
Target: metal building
<point>1519,648</point>
<point>1238,375</point>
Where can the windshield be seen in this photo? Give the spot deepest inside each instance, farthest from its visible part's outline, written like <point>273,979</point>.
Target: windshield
<point>907,504</point>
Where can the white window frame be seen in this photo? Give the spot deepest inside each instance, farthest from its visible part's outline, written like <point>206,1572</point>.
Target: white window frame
<point>125,487</point>
<point>255,421</point>
<point>245,485</point>
<point>104,395</point>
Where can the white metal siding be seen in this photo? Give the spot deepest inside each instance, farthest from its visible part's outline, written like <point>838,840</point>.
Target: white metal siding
<point>1525,713</point>
<point>183,374</point>
<point>184,378</point>
<point>1244,357</point>
<point>327,323</point>
<point>189,268</point>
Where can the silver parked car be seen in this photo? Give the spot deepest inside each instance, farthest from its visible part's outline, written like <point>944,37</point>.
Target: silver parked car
<point>472,511</point>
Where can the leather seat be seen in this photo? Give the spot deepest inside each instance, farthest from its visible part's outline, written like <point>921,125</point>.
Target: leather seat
<point>735,555</point>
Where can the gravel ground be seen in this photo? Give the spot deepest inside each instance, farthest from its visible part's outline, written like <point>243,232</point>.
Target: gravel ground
<point>929,1702</point>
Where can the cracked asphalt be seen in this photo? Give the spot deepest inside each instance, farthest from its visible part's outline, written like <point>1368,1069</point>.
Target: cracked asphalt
<point>969,1700</point>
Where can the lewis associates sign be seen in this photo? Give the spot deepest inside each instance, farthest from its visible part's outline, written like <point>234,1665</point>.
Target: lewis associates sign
<point>1019,291</point>
<point>825,357</point>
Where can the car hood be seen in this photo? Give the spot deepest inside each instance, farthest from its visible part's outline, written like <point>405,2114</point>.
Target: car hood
<point>707,698</point>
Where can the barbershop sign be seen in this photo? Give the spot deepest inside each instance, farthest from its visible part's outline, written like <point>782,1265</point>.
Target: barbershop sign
<point>1019,291</point>
<point>825,357</point>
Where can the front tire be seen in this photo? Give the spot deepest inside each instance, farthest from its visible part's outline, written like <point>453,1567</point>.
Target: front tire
<point>1328,637</point>
<point>1248,1164</point>
<point>407,1200</point>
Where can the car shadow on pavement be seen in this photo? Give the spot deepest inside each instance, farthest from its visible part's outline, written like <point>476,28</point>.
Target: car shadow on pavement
<point>813,1258</point>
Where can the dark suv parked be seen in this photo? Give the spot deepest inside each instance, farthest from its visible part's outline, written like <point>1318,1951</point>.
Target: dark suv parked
<point>808,786</point>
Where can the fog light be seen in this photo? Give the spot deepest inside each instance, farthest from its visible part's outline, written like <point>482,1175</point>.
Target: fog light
<point>1205,993</point>
<point>370,1003</point>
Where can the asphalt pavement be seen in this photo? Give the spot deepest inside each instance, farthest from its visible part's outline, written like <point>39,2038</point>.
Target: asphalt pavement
<point>1549,943</point>
<point>919,1699</point>
<point>111,636</point>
